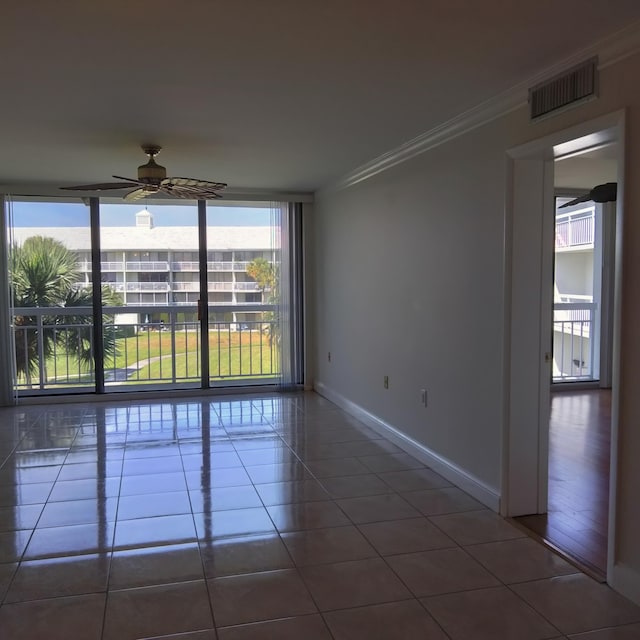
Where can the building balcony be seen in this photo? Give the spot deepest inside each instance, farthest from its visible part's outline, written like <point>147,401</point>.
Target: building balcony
<point>211,266</point>
<point>186,286</point>
<point>146,286</point>
<point>85,266</point>
<point>574,339</point>
<point>147,266</point>
<point>185,266</point>
<point>216,286</point>
<point>575,230</point>
<point>233,286</point>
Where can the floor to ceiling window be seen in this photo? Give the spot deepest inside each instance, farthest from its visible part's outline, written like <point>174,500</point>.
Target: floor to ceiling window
<point>191,295</point>
<point>51,296</point>
<point>577,292</point>
<point>149,274</point>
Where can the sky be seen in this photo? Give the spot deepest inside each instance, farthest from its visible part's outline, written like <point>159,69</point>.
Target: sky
<point>64,214</point>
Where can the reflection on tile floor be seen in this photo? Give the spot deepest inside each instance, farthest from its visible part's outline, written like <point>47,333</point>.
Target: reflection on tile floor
<point>261,517</point>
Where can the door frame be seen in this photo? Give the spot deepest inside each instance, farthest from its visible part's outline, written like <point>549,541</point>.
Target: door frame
<point>528,314</point>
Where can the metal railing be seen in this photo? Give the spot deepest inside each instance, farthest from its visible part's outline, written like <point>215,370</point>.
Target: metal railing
<point>211,266</point>
<point>233,286</point>
<point>216,286</point>
<point>575,229</point>
<point>227,265</point>
<point>143,345</point>
<point>147,286</point>
<point>147,266</point>
<point>574,341</point>
<point>85,265</point>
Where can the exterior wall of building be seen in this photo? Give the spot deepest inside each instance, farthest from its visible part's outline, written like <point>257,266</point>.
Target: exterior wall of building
<point>160,277</point>
<point>158,266</point>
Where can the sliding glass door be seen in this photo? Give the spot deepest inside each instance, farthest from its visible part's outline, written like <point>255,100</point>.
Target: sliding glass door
<point>243,256</point>
<point>51,296</point>
<point>150,290</point>
<point>190,295</point>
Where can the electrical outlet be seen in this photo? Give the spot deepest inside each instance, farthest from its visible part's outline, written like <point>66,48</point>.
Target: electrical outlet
<point>386,382</point>
<point>423,397</point>
<point>329,356</point>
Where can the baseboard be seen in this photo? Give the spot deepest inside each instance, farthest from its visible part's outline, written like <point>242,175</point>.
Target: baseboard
<point>625,581</point>
<point>452,472</point>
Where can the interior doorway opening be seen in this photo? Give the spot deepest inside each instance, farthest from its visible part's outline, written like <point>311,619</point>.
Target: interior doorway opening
<point>576,521</point>
<point>561,436</point>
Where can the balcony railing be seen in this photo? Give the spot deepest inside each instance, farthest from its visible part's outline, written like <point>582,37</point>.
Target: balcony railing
<point>147,266</point>
<point>233,286</point>
<point>574,341</point>
<point>85,265</point>
<point>147,286</point>
<point>158,345</point>
<point>186,286</point>
<point>216,286</point>
<point>575,229</point>
<point>211,266</point>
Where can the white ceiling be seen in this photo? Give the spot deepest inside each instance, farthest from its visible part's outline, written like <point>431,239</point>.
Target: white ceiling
<point>266,94</point>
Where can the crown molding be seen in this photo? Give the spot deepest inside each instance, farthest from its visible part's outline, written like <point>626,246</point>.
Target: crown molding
<point>610,50</point>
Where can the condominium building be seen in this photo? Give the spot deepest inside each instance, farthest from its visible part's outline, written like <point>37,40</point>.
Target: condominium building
<point>151,265</point>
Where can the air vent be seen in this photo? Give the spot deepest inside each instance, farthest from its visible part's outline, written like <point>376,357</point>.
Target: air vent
<point>573,87</point>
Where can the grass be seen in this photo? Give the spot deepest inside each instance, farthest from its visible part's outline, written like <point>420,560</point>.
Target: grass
<point>149,357</point>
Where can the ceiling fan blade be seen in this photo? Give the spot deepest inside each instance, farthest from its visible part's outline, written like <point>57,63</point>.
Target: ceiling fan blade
<point>191,188</point>
<point>101,186</point>
<point>132,181</point>
<point>192,182</point>
<point>585,198</point>
<point>138,194</point>
<point>607,192</point>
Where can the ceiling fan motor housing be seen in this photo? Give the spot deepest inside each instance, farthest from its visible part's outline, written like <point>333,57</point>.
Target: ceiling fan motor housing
<point>151,172</point>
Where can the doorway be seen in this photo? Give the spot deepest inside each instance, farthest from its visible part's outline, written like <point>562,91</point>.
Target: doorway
<point>580,404</point>
<point>534,415</point>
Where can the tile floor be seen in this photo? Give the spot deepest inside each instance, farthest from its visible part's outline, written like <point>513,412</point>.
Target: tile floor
<point>261,517</point>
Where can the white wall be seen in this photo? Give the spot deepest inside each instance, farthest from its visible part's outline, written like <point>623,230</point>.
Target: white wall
<point>409,283</point>
<point>574,272</point>
<point>399,260</point>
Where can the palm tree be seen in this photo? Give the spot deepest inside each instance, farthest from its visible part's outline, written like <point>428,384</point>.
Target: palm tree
<point>267,278</point>
<point>44,273</point>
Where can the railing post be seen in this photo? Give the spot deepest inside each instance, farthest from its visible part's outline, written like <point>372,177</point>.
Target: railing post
<point>172,325</point>
<point>96,279</point>
<point>592,340</point>
<point>41,365</point>
<point>204,293</point>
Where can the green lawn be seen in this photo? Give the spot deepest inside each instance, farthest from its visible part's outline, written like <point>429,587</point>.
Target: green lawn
<point>149,355</point>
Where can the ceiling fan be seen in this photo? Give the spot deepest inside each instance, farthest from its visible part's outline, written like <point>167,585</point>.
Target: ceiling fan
<point>607,192</point>
<point>152,179</point>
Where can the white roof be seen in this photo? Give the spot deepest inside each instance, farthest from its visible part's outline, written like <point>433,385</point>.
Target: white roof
<point>155,239</point>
